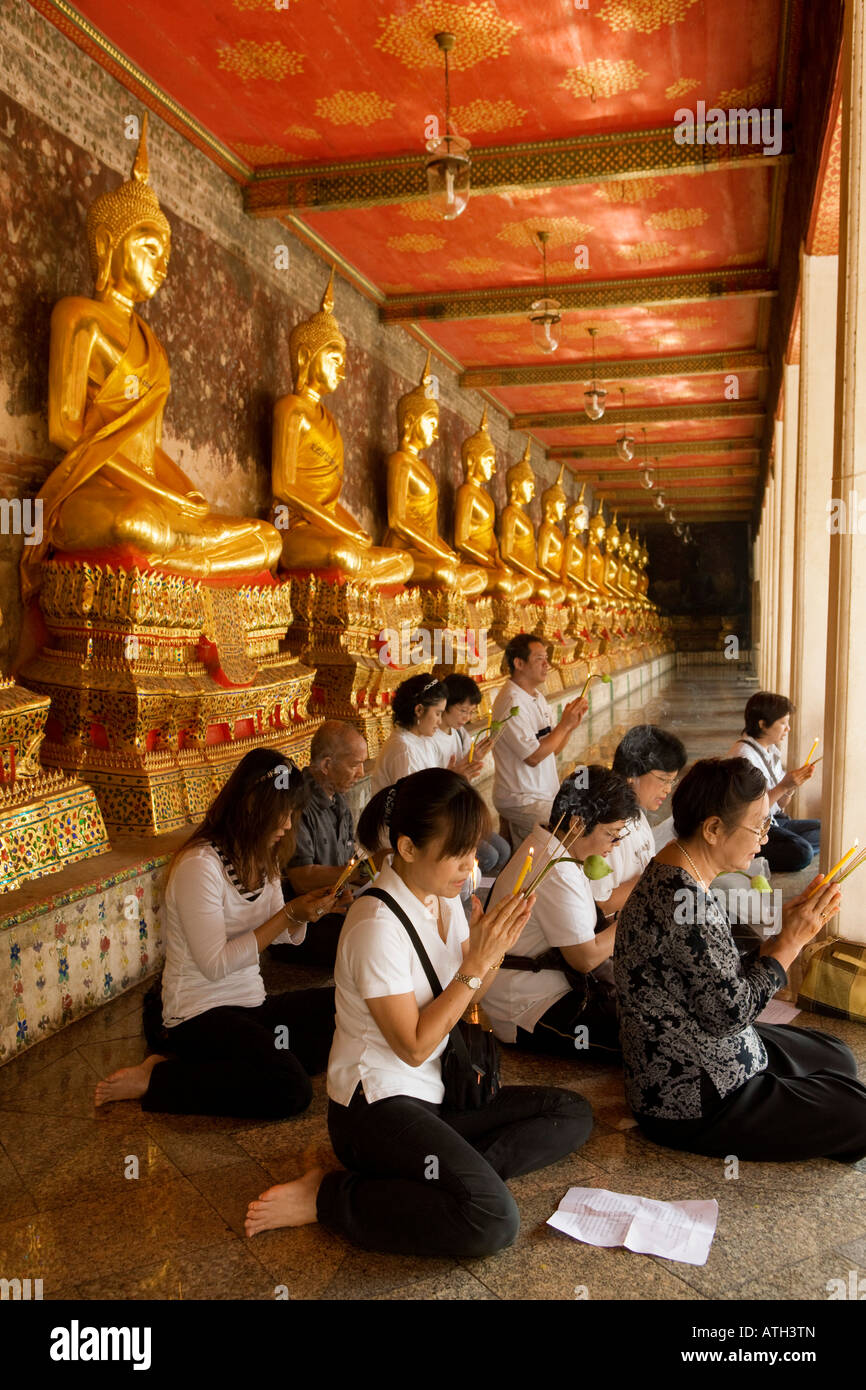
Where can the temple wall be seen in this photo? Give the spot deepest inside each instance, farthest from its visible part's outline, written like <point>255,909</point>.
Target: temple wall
<point>224,314</point>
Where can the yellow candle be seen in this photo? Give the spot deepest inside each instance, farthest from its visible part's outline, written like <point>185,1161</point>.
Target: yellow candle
<point>347,873</point>
<point>489,719</point>
<point>811,751</point>
<point>835,869</point>
<point>472,750</point>
<point>585,686</point>
<point>527,865</point>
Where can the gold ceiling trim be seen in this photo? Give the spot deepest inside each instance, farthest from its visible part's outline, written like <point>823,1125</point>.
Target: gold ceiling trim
<point>624,369</point>
<point>598,158</point>
<point>626,292</point>
<point>592,454</point>
<point>640,415</point>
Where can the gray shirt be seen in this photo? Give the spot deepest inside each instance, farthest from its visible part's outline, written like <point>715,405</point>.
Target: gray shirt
<point>326,833</point>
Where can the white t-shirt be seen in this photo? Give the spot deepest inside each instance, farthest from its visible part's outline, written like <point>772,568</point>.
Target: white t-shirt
<point>451,743</point>
<point>768,761</point>
<point>631,856</point>
<point>564,915</point>
<point>376,958</point>
<point>516,785</point>
<point>211,954</point>
<point>404,752</point>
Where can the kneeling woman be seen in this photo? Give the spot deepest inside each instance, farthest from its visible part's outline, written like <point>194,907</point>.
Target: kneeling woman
<point>700,1075</point>
<point>533,1001</point>
<point>236,1052</point>
<point>422,1179</point>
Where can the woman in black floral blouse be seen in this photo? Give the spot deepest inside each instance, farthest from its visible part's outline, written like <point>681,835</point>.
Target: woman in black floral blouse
<point>699,1074</point>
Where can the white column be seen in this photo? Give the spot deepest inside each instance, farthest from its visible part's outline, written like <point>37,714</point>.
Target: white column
<point>787,480</point>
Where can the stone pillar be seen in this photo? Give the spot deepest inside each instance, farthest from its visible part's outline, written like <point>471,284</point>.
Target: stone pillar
<point>757,643</point>
<point>844,814</point>
<point>787,482</point>
<point>772,626</point>
<point>819,285</point>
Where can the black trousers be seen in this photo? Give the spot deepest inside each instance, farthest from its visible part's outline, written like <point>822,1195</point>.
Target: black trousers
<point>791,844</point>
<point>426,1181</point>
<point>807,1104</point>
<point>319,947</point>
<point>232,1061</point>
<point>556,1030</point>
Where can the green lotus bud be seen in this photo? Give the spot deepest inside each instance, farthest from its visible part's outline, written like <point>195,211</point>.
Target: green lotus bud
<point>761,884</point>
<point>596,867</point>
<point>606,678</point>
<point>515,710</point>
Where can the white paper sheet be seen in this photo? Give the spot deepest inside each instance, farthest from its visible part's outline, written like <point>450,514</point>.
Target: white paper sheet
<point>677,1230</point>
<point>778,1011</point>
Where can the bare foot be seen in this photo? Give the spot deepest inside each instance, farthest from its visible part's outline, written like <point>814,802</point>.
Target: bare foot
<point>130,1083</point>
<point>287,1204</point>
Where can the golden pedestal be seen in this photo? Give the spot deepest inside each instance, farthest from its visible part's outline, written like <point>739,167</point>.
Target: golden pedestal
<point>47,820</point>
<point>160,683</point>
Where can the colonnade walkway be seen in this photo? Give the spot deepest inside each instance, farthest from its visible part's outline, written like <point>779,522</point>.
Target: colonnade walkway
<point>71,1216</point>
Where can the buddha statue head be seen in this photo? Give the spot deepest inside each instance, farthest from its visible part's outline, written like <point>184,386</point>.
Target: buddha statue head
<point>625,544</point>
<point>128,235</point>
<point>418,414</point>
<point>597,527</point>
<point>520,480</point>
<point>478,454</point>
<point>644,555</point>
<point>554,500</point>
<point>611,537</point>
<point>577,515</point>
<point>317,350</point>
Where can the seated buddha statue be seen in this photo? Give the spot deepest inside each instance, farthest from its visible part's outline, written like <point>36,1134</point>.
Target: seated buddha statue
<point>595,557</point>
<point>612,560</point>
<point>517,533</point>
<point>574,550</point>
<point>413,497</point>
<point>307,463</point>
<point>116,487</point>
<point>551,542</point>
<point>474,535</point>
<point>627,570</point>
<point>643,576</point>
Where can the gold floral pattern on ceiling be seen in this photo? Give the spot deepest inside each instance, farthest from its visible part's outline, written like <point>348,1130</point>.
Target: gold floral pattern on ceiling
<point>416,241</point>
<point>754,95</point>
<point>481,115</point>
<point>271,61</point>
<point>607,328</point>
<point>643,16</point>
<point>264,154</point>
<point>560,229</point>
<point>744,258</point>
<point>301,132</point>
<point>681,86</point>
<point>354,108</point>
<point>499,335</point>
<point>825,239</point>
<point>480,30</point>
<point>604,77</point>
<point>677,219</point>
<point>642,251</point>
<point>693,321</point>
<point>630,190</point>
<point>261,5</point>
<point>422,210</point>
<point>475,265</point>
<point>515,191</point>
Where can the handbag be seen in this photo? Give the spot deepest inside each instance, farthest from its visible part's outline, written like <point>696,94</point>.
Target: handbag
<point>591,988</point>
<point>470,1062</point>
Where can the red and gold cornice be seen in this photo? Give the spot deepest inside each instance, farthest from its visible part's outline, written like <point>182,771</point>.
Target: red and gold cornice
<point>641,415</point>
<point>626,369</point>
<point>587,456</point>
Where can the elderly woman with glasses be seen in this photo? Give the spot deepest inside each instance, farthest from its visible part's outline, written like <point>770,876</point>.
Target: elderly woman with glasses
<point>700,1074</point>
<point>226,1047</point>
<point>549,987</point>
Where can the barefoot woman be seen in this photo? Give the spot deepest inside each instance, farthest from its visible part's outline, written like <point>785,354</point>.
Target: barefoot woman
<point>422,1179</point>
<point>223,906</point>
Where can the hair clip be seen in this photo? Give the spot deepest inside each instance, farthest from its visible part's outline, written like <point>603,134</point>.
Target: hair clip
<point>278,770</point>
<point>389,803</point>
<point>426,687</point>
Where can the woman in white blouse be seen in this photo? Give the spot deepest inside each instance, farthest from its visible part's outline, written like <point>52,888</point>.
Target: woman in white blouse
<point>234,1051</point>
<point>421,1179</point>
<point>791,844</point>
<point>417,706</point>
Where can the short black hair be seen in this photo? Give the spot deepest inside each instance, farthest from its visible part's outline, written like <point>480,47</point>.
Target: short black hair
<point>433,804</point>
<point>597,795</point>
<point>461,688</point>
<point>646,748</point>
<point>715,787</point>
<point>766,706</point>
<point>518,648</point>
<point>417,690</point>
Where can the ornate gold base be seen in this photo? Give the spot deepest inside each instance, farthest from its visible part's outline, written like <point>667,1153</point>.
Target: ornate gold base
<point>159,684</point>
<point>47,822</point>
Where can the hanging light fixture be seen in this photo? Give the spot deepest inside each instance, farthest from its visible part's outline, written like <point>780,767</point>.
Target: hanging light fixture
<point>648,476</point>
<point>624,440</point>
<point>660,501</point>
<point>671,515</point>
<point>449,164</point>
<point>595,397</point>
<point>544,314</point>
<point>678,529</point>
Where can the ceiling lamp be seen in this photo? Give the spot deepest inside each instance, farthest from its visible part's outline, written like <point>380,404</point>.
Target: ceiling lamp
<point>449,163</point>
<point>544,314</point>
<point>624,440</point>
<point>595,397</point>
<point>671,515</point>
<point>678,529</point>
<point>660,501</point>
<point>648,476</point>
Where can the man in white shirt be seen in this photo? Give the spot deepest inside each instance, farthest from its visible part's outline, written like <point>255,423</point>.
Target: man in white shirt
<point>524,755</point>
<point>651,761</point>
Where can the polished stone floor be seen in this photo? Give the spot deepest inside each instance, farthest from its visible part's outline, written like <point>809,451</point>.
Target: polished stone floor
<point>71,1215</point>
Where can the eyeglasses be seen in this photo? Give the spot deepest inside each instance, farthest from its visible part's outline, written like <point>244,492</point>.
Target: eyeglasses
<point>615,839</point>
<point>761,830</point>
<point>667,782</point>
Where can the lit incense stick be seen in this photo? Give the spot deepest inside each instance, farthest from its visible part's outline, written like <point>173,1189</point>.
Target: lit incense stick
<point>585,685</point>
<point>855,864</point>
<point>347,872</point>
<point>527,865</point>
<point>822,882</point>
<point>811,751</point>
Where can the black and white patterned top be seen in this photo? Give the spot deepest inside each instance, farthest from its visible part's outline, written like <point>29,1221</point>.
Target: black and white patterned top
<point>251,894</point>
<point>687,1003</point>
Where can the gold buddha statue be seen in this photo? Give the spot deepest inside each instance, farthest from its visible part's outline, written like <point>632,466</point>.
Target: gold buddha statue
<point>643,576</point>
<point>517,533</point>
<point>474,534</point>
<point>595,558</point>
<point>307,463</point>
<point>108,386</point>
<point>574,551</point>
<point>413,497</point>
<point>629,549</point>
<point>551,541</point>
<point>612,559</point>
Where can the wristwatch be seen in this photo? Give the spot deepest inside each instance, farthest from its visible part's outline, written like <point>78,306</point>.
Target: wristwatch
<point>472,982</point>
